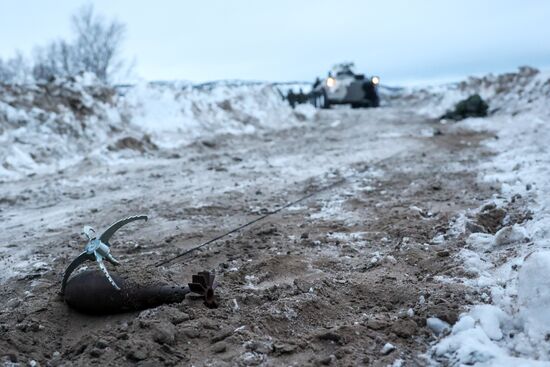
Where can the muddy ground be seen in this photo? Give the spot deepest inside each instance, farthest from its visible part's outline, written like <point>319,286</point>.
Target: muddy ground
<point>328,281</point>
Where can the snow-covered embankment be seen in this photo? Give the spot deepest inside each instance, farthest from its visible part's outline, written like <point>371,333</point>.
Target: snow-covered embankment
<point>48,127</point>
<point>510,267</point>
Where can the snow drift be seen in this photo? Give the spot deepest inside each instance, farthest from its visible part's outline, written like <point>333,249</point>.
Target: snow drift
<point>44,127</point>
<point>511,265</point>
<point>193,112</point>
<point>509,93</point>
<point>47,127</point>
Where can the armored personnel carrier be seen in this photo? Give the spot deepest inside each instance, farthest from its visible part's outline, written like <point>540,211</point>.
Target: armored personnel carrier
<point>343,86</point>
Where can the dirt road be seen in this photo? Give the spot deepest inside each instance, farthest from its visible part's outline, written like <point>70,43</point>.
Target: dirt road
<point>329,281</point>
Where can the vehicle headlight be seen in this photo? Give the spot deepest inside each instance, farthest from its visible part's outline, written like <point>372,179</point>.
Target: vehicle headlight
<point>331,82</point>
<point>375,80</point>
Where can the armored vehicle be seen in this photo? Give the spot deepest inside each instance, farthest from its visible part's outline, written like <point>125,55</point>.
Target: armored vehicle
<point>343,86</point>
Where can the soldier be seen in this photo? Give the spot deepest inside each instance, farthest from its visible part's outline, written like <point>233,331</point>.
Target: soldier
<point>316,82</point>
<point>302,98</point>
<point>291,97</point>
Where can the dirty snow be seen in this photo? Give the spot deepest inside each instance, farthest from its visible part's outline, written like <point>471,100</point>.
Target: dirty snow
<point>43,131</point>
<point>507,94</point>
<point>45,128</point>
<point>512,328</point>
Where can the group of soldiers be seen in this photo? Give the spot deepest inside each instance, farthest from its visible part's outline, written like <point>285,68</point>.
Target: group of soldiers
<point>297,98</point>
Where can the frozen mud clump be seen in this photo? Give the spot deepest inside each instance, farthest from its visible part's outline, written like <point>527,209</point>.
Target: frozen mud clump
<point>473,106</point>
<point>490,218</point>
<point>141,145</point>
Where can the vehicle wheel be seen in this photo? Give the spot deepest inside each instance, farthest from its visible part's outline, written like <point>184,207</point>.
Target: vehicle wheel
<point>313,99</point>
<point>322,101</point>
<point>316,101</point>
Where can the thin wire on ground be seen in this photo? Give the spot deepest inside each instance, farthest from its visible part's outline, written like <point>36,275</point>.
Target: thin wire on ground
<point>237,229</point>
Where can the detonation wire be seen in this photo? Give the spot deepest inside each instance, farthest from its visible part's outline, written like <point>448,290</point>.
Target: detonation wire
<point>237,229</point>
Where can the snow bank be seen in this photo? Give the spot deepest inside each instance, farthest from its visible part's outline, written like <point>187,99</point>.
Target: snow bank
<point>510,93</point>
<point>44,128</point>
<point>512,266</point>
<point>189,112</point>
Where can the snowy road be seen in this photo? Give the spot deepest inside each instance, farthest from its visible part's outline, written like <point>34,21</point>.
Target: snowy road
<point>43,215</point>
<point>409,176</point>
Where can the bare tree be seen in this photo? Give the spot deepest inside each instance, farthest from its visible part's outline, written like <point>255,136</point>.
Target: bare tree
<point>5,72</point>
<point>57,59</point>
<point>95,48</point>
<point>14,70</point>
<point>98,44</point>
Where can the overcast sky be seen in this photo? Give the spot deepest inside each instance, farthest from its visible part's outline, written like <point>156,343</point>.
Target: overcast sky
<point>403,41</point>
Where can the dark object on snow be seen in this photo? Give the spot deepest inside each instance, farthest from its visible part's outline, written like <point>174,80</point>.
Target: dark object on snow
<point>291,98</point>
<point>473,106</point>
<point>91,293</point>
<point>203,284</point>
<point>296,98</point>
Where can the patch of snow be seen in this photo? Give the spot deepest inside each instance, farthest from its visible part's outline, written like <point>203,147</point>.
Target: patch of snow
<point>436,325</point>
<point>510,235</point>
<point>335,123</point>
<point>387,348</point>
<point>534,295</point>
<point>507,94</point>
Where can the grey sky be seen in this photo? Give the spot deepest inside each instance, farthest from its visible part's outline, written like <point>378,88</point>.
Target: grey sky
<point>402,41</point>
